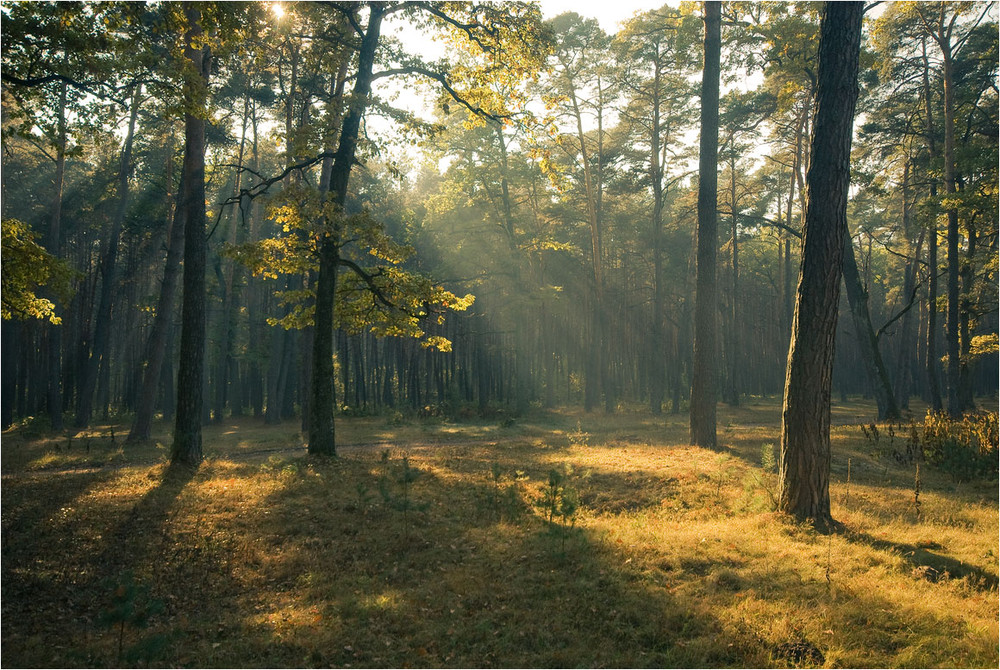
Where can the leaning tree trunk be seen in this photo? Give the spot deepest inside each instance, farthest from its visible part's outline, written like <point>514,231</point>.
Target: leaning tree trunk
<point>321,427</point>
<point>703,379</point>
<point>857,297</point>
<point>805,420</point>
<point>186,448</point>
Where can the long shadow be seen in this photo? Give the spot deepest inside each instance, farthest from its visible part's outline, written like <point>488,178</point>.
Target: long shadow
<point>460,588</point>
<point>34,521</point>
<point>70,574</point>
<point>928,564</point>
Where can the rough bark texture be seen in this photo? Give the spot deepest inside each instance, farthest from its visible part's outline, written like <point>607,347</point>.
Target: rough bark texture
<point>805,420</point>
<point>321,428</point>
<point>857,298</point>
<point>703,378</point>
<point>186,447</point>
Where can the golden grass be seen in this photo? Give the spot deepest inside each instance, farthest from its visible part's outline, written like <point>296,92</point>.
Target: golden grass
<point>272,558</point>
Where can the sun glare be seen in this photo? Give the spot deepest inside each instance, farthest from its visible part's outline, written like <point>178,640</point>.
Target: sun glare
<point>278,10</point>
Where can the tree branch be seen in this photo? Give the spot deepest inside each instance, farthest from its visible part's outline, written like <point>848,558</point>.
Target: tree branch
<point>39,81</point>
<point>770,222</point>
<point>441,79</point>
<point>369,280</point>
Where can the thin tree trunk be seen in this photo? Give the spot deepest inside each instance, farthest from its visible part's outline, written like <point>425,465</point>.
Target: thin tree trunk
<point>955,405</point>
<point>657,352</point>
<point>933,378</point>
<point>109,273</point>
<point>908,341</point>
<point>857,297</point>
<point>321,424</point>
<point>54,331</point>
<point>735,354</point>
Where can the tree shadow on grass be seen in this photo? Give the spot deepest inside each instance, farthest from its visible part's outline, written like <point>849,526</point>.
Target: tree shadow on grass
<point>60,610</point>
<point>928,564</point>
<point>36,523</point>
<point>458,584</point>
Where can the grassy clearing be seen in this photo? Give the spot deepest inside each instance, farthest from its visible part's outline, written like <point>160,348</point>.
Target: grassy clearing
<point>669,556</point>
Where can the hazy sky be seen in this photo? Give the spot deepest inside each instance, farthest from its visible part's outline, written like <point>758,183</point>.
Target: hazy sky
<point>609,13</point>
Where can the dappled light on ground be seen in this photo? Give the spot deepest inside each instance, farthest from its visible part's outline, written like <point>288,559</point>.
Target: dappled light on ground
<point>564,539</point>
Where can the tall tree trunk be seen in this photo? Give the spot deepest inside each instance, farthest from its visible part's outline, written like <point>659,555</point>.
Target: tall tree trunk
<point>54,331</point>
<point>186,448</point>
<point>321,426</point>
<point>595,364</point>
<point>109,274</point>
<point>955,405</point>
<point>933,378</point>
<point>857,297</point>
<point>805,420</point>
<point>657,352</point>
<point>735,347</point>
<point>229,274</point>
<point>703,378</point>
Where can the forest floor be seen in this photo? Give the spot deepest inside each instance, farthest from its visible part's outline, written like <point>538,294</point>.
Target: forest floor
<point>556,539</point>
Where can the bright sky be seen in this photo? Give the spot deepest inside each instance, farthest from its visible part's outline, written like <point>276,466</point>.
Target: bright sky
<point>609,13</point>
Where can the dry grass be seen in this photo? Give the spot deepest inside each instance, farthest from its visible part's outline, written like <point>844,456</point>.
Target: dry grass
<point>271,558</point>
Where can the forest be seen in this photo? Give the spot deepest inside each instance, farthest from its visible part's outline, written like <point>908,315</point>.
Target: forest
<point>471,334</point>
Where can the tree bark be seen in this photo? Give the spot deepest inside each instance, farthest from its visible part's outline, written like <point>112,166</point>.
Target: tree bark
<point>703,379</point>
<point>321,424</point>
<point>805,421</point>
<point>186,447</point>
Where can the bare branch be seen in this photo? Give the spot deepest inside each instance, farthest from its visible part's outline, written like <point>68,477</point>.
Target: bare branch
<point>770,222</point>
<point>443,80</point>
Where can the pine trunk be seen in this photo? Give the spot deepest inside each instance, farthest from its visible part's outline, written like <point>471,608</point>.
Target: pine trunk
<point>805,422</point>
<point>703,379</point>
<point>186,447</point>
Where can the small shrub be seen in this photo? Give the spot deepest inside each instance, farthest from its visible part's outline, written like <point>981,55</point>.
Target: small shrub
<point>768,457</point>
<point>578,437</point>
<point>965,448</point>
<point>560,502</point>
<point>503,494</point>
<point>132,608</point>
<point>766,482</point>
<point>402,475</point>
